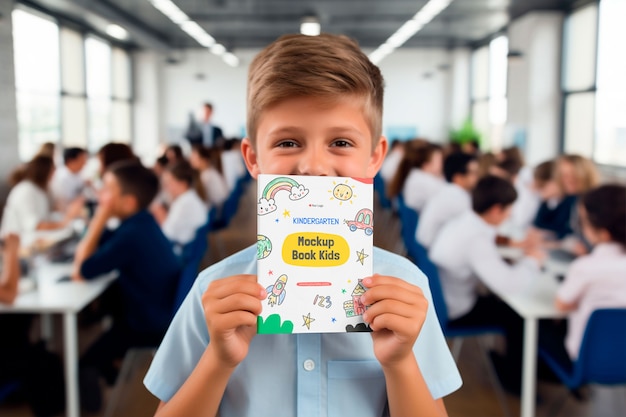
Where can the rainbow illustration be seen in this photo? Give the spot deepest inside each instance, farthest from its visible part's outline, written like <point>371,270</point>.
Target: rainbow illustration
<point>267,202</point>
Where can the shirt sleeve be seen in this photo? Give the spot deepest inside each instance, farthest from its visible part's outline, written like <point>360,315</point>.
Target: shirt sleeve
<point>114,251</point>
<point>431,350</point>
<point>501,277</point>
<point>574,285</point>
<point>181,348</point>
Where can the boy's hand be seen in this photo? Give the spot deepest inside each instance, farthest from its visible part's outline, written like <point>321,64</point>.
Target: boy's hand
<point>75,208</point>
<point>231,306</point>
<point>12,243</point>
<point>396,313</point>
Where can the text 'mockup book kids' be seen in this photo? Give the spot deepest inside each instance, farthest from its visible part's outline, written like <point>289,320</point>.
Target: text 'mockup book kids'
<point>314,245</point>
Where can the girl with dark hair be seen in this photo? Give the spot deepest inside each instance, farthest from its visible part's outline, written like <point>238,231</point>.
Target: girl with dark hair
<point>215,188</point>
<point>596,280</point>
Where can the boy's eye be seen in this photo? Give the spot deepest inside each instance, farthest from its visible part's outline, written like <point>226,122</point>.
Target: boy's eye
<point>341,143</point>
<point>287,144</point>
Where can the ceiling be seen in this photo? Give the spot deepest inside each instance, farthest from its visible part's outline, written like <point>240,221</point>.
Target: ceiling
<point>255,23</point>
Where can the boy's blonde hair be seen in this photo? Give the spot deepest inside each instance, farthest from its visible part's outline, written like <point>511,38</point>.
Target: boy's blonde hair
<point>327,67</point>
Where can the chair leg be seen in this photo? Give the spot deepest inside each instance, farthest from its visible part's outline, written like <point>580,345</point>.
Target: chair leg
<point>493,377</point>
<point>457,344</point>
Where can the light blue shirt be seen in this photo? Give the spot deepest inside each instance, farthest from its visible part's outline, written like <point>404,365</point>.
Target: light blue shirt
<point>331,374</point>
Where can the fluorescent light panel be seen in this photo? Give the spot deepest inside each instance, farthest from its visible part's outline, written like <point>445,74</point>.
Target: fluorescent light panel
<point>409,29</point>
<point>310,26</point>
<point>193,29</point>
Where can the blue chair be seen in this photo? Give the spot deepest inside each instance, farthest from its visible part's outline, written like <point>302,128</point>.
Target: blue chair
<point>379,187</point>
<point>602,352</point>
<point>409,219</point>
<point>457,334</point>
<point>191,256</point>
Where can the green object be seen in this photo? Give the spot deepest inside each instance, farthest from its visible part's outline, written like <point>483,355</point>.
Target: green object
<point>467,133</point>
<point>273,325</point>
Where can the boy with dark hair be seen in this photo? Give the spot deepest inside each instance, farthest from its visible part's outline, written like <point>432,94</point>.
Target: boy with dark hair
<point>314,108</point>
<point>142,255</point>
<point>466,255</point>
<point>461,172</point>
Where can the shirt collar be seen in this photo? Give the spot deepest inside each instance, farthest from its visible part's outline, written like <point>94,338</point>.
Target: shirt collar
<point>608,249</point>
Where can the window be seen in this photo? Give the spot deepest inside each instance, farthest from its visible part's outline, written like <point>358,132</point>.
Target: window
<point>84,95</point>
<point>36,46</point>
<point>489,77</point>
<point>610,140</point>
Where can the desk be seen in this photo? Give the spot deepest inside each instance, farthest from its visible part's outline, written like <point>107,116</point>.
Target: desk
<point>66,298</point>
<point>537,302</point>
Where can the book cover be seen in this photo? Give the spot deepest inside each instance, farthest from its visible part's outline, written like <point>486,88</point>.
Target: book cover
<point>314,246</point>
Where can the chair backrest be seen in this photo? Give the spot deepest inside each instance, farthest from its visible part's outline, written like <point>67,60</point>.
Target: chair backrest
<point>408,219</point>
<point>8,388</point>
<point>380,188</point>
<point>602,357</point>
<point>431,271</point>
<point>192,255</point>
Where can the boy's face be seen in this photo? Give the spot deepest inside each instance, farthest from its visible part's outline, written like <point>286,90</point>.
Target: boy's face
<point>305,136</point>
<point>112,197</point>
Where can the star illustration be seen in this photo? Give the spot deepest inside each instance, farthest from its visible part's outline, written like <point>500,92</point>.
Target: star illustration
<point>343,290</point>
<point>349,281</point>
<point>286,213</point>
<point>333,320</point>
<point>277,220</point>
<point>361,256</point>
<point>270,272</point>
<point>308,320</point>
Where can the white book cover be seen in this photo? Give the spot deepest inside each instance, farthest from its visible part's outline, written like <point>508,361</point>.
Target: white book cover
<point>314,245</point>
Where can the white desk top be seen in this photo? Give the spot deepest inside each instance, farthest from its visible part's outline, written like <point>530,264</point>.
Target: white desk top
<point>51,296</point>
<point>537,301</point>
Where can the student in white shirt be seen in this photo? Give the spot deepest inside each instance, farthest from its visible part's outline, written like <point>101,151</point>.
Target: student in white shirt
<point>419,175</point>
<point>28,206</point>
<point>67,183</point>
<point>233,167</point>
<point>466,255</point>
<point>214,185</point>
<point>392,161</point>
<point>461,172</point>
<point>593,281</point>
<point>187,211</point>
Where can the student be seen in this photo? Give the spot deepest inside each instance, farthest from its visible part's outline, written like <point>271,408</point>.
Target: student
<point>593,281</point>
<point>392,161</point>
<point>67,183</point>
<point>555,211</point>
<point>28,207</point>
<point>319,114</point>
<point>576,174</point>
<point>113,152</point>
<point>39,372</point>
<point>187,211</point>
<point>142,255</point>
<point>461,172</point>
<point>466,255</point>
<point>214,185</point>
<point>419,176</point>
<point>233,167</point>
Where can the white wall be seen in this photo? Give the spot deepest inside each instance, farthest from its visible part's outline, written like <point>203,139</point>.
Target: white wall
<point>410,98</point>
<point>534,92</point>
<point>147,107</point>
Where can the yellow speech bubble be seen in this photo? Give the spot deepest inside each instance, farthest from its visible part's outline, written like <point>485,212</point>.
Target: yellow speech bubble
<point>315,249</point>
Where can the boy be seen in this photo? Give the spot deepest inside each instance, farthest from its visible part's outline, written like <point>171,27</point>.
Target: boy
<point>314,108</point>
<point>461,172</point>
<point>466,255</point>
<point>138,250</point>
<point>67,184</point>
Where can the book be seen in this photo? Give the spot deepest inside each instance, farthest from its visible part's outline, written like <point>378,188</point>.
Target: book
<point>314,246</point>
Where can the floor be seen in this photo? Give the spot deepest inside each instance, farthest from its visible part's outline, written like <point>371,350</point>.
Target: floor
<point>476,398</point>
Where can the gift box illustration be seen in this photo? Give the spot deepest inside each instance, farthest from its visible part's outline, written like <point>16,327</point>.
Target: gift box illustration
<point>314,246</point>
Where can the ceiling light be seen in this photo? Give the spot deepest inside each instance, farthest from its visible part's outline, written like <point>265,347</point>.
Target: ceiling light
<point>116,31</point>
<point>310,26</point>
<point>193,29</point>
<point>409,29</point>
<point>218,49</point>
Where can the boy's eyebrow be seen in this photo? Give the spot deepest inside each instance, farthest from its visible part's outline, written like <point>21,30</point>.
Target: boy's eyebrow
<point>338,130</point>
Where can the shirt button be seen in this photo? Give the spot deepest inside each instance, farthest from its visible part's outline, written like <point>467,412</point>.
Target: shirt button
<point>309,365</point>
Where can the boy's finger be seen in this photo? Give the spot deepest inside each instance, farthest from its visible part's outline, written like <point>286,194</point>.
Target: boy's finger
<point>234,319</point>
<point>410,295</point>
<point>397,324</point>
<point>376,280</point>
<point>391,307</point>
<point>236,302</point>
